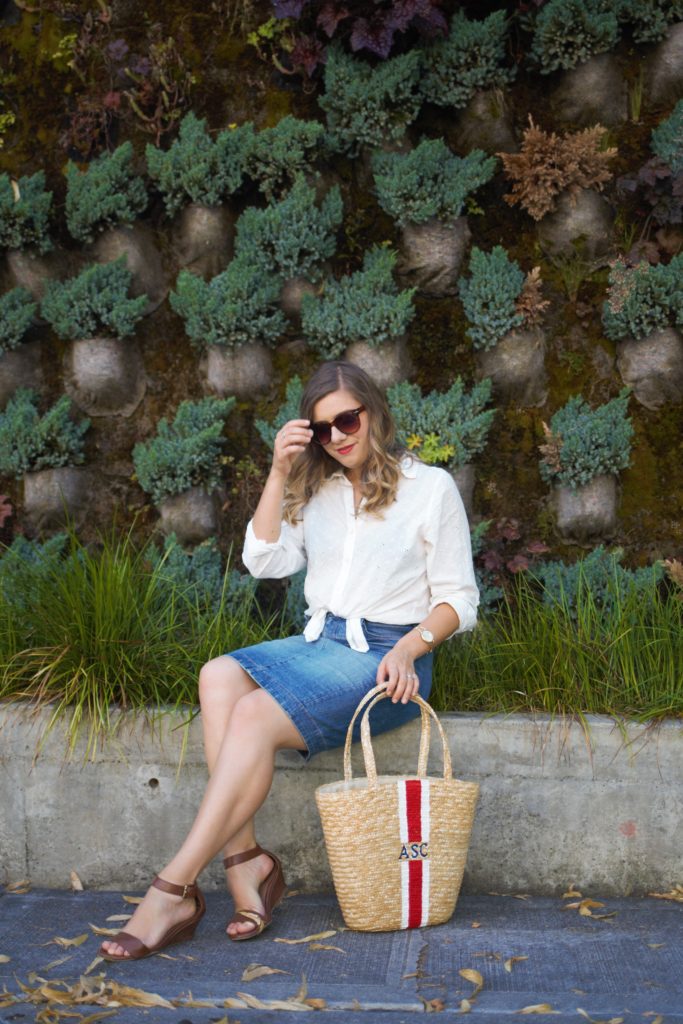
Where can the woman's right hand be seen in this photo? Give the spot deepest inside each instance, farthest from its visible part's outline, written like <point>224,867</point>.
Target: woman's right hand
<point>290,441</point>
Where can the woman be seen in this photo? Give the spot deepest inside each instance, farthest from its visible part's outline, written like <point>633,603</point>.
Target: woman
<point>386,543</point>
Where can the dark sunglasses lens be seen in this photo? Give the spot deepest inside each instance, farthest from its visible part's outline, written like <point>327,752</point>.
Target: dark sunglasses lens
<point>322,432</point>
<point>347,422</point>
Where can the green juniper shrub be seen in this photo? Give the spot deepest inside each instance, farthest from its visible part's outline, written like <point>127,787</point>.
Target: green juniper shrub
<point>598,577</point>
<point>489,296</point>
<point>667,139</point>
<point>94,302</point>
<point>17,310</point>
<point>649,19</point>
<point>470,58</point>
<point>25,213</point>
<point>197,168</point>
<point>643,299</point>
<point>369,106</point>
<point>108,193</point>
<point>289,410</point>
<point>364,306</point>
<point>569,32</point>
<point>185,453</point>
<point>238,306</point>
<point>30,442</point>
<point>24,565</point>
<point>198,576</point>
<point>583,443</point>
<point>429,181</point>
<point>448,427</point>
<point>280,154</point>
<point>291,237</point>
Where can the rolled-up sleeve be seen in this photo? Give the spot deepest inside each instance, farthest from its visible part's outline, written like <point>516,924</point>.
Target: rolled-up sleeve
<point>450,571</point>
<point>282,557</point>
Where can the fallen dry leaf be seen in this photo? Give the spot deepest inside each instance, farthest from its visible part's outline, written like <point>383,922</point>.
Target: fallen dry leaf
<point>537,1008</point>
<point>272,1004</point>
<point>656,945</point>
<point>675,894</point>
<point>656,1020</point>
<point>513,960</point>
<point>413,974</point>
<point>307,938</point>
<point>4,959</point>
<point>476,924</point>
<point>19,888</point>
<point>119,917</point>
<point>316,1004</point>
<point>612,1020</point>
<point>512,895</point>
<point>292,892</point>
<point>67,943</point>
<point>132,899</point>
<point>233,1004</point>
<point>465,1006</point>
<point>91,966</point>
<point>473,976</point>
<point>259,971</point>
<point>76,884</point>
<point>432,1005</point>
<point>56,963</point>
<point>321,945</point>
<point>194,1004</point>
<point>104,931</point>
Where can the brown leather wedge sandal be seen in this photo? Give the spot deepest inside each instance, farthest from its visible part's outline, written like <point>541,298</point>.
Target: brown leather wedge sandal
<point>137,950</point>
<point>271,891</point>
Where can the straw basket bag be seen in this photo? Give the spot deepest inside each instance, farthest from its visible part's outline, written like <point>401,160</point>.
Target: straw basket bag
<point>397,844</point>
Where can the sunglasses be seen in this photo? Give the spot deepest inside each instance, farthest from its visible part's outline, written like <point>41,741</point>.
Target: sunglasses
<point>345,422</point>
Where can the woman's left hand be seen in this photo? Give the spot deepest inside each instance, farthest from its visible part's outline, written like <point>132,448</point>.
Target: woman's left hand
<point>397,671</point>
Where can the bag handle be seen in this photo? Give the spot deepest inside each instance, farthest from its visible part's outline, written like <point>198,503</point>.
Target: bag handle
<point>424,735</point>
<point>373,697</point>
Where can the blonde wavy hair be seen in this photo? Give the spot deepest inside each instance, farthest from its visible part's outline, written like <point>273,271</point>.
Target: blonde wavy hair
<point>382,470</point>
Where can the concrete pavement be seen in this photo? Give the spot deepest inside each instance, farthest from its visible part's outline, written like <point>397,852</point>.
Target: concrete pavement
<point>628,965</point>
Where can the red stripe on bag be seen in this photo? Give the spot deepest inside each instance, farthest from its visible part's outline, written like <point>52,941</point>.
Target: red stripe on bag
<point>414,819</point>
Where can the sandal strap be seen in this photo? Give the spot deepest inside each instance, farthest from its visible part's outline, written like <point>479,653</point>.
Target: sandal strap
<point>249,917</point>
<point>239,858</point>
<point>175,890</point>
<point>135,948</point>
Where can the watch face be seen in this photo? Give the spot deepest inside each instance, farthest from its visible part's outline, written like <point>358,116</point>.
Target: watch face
<point>427,636</point>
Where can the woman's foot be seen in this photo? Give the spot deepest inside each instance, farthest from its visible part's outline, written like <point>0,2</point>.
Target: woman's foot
<point>244,882</point>
<point>158,914</point>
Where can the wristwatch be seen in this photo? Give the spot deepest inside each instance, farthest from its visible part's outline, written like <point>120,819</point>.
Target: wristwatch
<point>427,636</point>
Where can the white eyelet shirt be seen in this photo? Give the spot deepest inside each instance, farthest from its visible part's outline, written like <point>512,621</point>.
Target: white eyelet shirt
<point>393,570</point>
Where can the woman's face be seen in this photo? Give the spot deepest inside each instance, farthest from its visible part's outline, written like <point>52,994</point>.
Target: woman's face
<point>349,450</point>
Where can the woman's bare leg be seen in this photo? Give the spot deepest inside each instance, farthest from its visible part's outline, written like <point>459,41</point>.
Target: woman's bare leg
<point>241,779</point>
<point>222,681</point>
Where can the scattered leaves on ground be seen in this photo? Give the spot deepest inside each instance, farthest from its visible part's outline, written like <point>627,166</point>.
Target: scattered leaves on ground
<point>512,895</point>
<point>513,960</point>
<point>321,945</point>
<point>612,1020</point>
<point>67,943</point>
<point>537,1008</point>
<point>259,971</point>
<point>307,938</point>
<point>76,884</point>
<point>675,894</point>
<point>18,888</point>
<point>432,1005</point>
<point>585,909</point>
<point>97,990</point>
<point>56,963</point>
<point>475,977</point>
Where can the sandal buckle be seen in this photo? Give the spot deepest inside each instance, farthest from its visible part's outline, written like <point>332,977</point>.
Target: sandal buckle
<point>185,888</point>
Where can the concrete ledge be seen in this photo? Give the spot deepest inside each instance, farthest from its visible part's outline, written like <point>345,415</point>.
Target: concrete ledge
<point>602,808</point>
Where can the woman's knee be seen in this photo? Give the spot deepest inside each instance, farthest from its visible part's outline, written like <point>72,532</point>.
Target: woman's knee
<point>258,716</point>
<point>223,679</point>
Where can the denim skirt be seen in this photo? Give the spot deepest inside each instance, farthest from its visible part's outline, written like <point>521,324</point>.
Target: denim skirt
<point>319,684</point>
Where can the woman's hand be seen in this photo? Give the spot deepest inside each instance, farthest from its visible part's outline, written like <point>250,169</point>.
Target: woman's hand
<point>397,671</point>
<point>290,441</point>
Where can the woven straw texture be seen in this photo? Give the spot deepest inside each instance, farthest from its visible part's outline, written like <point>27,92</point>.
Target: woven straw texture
<point>397,845</point>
